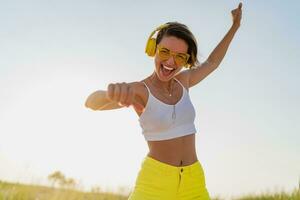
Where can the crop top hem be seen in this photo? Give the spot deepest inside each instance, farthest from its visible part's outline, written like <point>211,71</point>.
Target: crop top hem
<point>183,130</point>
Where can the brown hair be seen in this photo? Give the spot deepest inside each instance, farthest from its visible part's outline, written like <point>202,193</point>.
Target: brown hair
<point>181,31</point>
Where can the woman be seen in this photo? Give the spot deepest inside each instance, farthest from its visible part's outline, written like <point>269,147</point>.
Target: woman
<point>171,169</point>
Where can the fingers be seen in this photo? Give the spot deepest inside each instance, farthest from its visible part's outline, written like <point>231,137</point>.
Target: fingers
<point>122,93</point>
<point>238,9</point>
<point>110,91</point>
<point>237,14</point>
<point>240,6</point>
<point>113,91</point>
<point>130,96</point>
<point>117,91</point>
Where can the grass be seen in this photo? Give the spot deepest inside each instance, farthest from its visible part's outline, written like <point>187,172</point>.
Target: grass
<point>17,191</point>
<point>295,195</point>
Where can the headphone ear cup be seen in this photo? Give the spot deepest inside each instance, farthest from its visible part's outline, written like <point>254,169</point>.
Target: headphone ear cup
<point>151,47</point>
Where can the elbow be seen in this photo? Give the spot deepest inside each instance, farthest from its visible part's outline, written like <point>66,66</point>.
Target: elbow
<point>86,104</point>
<point>96,100</point>
<point>92,108</point>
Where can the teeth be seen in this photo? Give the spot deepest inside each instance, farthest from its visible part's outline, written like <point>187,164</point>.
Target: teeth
<point>168,68</point>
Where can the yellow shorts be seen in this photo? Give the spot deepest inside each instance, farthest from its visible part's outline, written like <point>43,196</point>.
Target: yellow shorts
<point>160,181</point>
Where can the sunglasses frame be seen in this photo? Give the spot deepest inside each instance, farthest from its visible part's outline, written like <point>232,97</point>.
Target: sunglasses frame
<point>174,54</point>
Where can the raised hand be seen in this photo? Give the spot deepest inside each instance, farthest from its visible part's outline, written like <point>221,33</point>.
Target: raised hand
<point>237,15</point>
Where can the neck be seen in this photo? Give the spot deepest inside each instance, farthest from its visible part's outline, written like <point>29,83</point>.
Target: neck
<point>165,85</point>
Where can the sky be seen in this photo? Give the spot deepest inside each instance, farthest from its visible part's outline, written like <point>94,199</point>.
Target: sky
<point>53,54</point>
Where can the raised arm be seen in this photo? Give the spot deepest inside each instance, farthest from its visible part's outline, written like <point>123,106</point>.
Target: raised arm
<point>213,61</point>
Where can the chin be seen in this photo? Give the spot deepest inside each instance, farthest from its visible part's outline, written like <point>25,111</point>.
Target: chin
<point>161,77</point>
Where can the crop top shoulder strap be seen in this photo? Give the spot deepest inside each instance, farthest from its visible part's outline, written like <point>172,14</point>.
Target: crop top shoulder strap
<point>184,89</point>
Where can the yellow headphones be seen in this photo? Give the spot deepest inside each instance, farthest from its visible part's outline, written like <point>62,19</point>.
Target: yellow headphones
<point>151,43</point>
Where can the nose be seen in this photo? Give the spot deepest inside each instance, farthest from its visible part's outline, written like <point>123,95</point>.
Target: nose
<point>171,61</point>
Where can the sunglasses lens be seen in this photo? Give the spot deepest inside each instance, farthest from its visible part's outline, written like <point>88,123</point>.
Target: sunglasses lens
<point>164,54</point>
<point>180,60</point>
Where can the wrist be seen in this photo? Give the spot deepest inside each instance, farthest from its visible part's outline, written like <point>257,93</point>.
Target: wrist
<point>235,25</point>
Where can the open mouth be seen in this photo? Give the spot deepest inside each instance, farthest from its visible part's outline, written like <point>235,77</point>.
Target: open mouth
<point>166,71</point>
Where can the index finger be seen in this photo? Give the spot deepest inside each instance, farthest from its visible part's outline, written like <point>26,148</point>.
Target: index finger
<point>240,5</point>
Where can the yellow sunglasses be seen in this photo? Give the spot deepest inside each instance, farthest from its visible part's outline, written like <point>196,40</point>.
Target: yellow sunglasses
<point>164,53</point>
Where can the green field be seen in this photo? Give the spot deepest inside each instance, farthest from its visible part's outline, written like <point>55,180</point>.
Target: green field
<point>16,191</point>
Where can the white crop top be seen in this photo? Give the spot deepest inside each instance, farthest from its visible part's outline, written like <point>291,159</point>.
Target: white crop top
<point>161,121</point>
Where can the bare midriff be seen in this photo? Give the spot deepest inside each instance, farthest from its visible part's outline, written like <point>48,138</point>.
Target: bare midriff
<point>177,152</point>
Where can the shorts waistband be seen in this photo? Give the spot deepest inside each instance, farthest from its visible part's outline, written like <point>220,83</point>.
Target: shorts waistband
<point>170,169</point>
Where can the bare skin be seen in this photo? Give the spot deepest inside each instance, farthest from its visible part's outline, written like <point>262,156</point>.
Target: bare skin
<point>178,151</point>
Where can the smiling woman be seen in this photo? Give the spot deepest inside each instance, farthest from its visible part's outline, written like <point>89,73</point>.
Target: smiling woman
<point>171,169</point>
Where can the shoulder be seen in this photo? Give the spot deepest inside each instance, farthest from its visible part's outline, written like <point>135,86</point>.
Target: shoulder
<point>140,91</point>
<point>141,94</point>
<point>183,78</point>
<point>139,87</point>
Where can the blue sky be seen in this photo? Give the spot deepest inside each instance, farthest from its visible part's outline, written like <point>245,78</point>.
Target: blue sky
<point>55,53</point>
